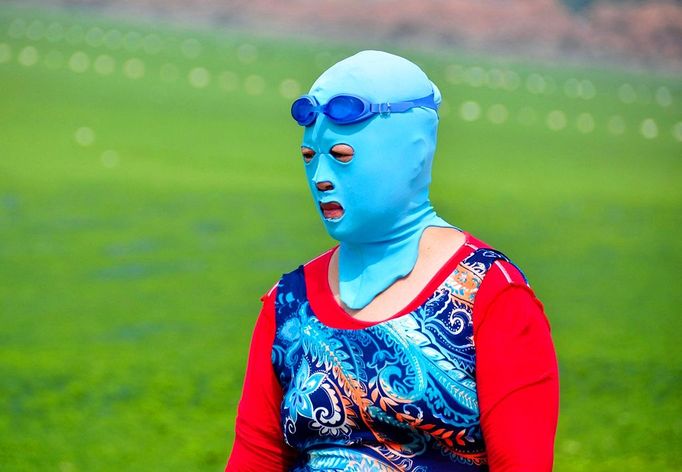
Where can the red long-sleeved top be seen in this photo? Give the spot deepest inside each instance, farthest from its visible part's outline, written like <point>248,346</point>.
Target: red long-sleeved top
<point>516,373</point>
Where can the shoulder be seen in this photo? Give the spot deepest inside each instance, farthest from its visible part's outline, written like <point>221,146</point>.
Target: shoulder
<point>502,269</point>
<point>501,275</point>
<point>505,288</point>
<point>319,264</point>
<point>314,268</point>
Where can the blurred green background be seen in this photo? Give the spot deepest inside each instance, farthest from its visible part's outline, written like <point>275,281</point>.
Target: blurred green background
<point>151,190</point>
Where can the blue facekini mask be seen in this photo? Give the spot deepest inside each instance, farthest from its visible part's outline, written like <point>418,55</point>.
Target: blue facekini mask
<point>384,189</point>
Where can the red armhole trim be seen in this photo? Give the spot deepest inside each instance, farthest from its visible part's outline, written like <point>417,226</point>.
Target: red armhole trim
<point>504,272</point>
<point>501,277</point>
<point>511,273</point>
<point>270,292</point>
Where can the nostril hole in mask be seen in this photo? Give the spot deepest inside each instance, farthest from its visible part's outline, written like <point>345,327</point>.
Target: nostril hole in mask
<point>324,186</point>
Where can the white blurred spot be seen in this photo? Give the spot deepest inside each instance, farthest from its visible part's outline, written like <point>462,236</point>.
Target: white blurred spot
<point>133,68</point>
<point>498,114</point>
<point>199,77</point>
<point>28,56</point>
<point>229,80</point>
<point>54,33</point>
<point>649,129</point>
<point>556,120</point>
<point>54,59</point>
<point>17,28</point>
<point>75,34</point>
<point>109,158</point>
<point>572,88</point>
<point>476,76</point>
<point>66,466</point>
<point>585,123</point>
<point>470,111</point>
<point>677,130</point>
<point>663,97</point>
<point>526,116</point>
<point>94,37</point>
<point>79,62</point>
<point>587,89</point>
<point>5,53</point>
<point>113,39</point>
<point>535,83</point>
<point>512,81</point>
<point>254,85</point>
<point>35,30</point>
<point>571,447</point>
<point>84,136</point>
<point>290,89</point>
<point>496,78</point>
<point>152,44</point>
<point>627,94</point>
<point>616,125</point>
<point>454,73</point>
<point>104,64</point>
<point>169,72</point>
<point>247,53</point>
<point>191,48</point>
<point>132,41</point>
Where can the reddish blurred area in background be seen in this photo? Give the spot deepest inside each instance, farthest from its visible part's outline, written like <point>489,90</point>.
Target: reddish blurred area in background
<point>634,33</point>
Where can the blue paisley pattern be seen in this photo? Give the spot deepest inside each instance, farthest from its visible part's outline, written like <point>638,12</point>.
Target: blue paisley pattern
<point>396,396</point>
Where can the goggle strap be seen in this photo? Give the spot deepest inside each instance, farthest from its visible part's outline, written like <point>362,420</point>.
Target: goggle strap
<point>427,102</point>
<point>400,107</point>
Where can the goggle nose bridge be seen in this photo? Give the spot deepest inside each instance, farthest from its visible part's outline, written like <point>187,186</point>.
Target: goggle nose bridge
<point>381,108</point>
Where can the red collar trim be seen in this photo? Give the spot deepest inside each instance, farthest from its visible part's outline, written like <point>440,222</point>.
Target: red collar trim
<point>330,313</point>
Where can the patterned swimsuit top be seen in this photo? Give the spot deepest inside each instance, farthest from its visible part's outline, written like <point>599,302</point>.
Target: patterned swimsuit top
<point>399,395</point>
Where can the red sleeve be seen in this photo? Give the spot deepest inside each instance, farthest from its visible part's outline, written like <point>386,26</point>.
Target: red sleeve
<point>259,442</point>
<point>516,374</point>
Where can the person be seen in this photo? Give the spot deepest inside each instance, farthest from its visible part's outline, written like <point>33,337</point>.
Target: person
<point>412,345</point>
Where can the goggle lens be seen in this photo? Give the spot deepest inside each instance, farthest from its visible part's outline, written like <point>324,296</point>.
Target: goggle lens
<point>345,109</point>
<point>303,111</point>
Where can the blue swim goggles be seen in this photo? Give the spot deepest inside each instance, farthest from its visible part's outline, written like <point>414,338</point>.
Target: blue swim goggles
<point>345,109</point>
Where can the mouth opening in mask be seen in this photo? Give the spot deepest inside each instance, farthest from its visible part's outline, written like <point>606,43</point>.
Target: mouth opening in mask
<point>331,210</point>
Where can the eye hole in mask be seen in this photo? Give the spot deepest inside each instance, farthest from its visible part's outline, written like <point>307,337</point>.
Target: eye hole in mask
<point>341,152</point>
<point>307,154</point>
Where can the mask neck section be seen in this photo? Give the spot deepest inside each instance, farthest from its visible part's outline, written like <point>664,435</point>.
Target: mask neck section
<point>367,269</point>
